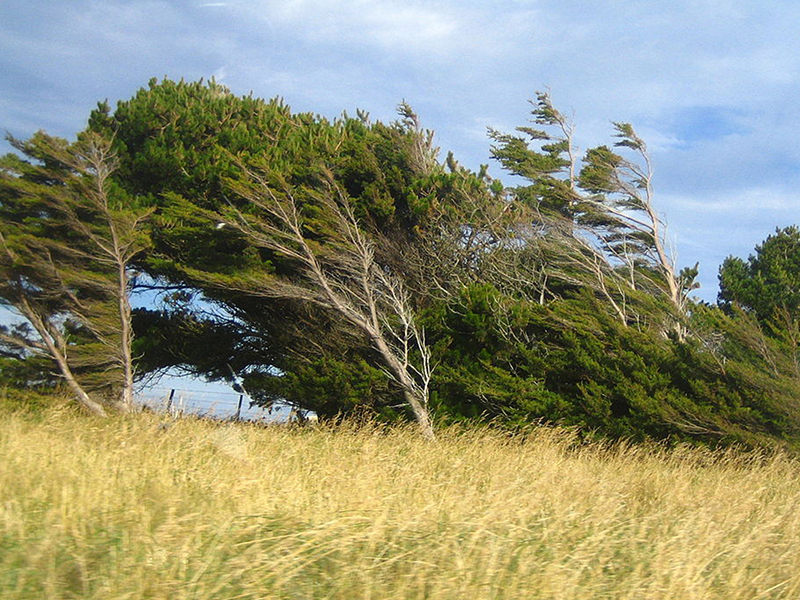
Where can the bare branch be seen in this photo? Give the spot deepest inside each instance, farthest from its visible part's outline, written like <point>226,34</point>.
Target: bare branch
<point>338,273</point>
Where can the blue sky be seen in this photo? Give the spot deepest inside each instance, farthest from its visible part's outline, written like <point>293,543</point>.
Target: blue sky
<point>711,85</point>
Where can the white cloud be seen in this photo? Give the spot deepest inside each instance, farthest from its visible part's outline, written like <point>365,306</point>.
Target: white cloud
<point>396,26</point>
<point>221,73</point>
<point>440,33</point>
<point>742,203</point>
<point>656,64</point>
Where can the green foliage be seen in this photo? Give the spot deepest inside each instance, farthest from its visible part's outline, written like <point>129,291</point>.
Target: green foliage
<point>597,175</point>
<point>37,402</point>
<point>553,301</point>
<point>185,146</point>
<point>571,362</point>
<point>768,283</point>
<point>188,138</point>
<point>547,168</point>
<point>174,136</point>
<point>331,387</point>
<point>604,202</point>
<point>27,372</point>
<point>68,234</point>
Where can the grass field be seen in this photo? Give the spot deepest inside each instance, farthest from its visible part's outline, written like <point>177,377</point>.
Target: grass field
<point>128,508</point>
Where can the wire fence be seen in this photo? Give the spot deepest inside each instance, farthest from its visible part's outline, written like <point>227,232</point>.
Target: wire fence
<point>211,404</point>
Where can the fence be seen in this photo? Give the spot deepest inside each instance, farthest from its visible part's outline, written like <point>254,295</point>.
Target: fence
<point>213,404</point>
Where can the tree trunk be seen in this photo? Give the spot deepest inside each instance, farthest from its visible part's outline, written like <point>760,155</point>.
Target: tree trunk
<point>94,407</point>
<point>80,394</point>
<point>411,392</point>
<point>126,341</point>
<point>421,414</point>
<point>52,342</point>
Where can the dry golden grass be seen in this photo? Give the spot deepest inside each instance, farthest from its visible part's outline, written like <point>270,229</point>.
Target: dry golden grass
<point>126,508</point>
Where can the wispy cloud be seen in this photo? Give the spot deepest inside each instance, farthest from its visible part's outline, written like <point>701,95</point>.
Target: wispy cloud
<point>221,73</point>
<point>750,201</point>
<point>710,84</point>
<point>402,27</point>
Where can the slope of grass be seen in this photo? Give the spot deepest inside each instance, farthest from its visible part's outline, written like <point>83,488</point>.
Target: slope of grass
<point>131,508</point>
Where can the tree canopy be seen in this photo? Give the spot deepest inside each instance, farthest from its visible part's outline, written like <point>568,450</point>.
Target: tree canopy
<point>768,282</point>
<point>68,235</point>
<point>342,266</point>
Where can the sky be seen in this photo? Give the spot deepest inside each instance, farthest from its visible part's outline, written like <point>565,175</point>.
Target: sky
<point>712,86</point>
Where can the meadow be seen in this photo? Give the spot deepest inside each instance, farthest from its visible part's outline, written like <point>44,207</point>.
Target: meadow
<point>141,506</point>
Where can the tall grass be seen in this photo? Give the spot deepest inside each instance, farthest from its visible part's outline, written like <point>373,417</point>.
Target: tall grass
<point>131,508</point>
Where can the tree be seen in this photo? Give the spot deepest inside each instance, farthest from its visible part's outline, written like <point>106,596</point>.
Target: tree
<point>180,143</point>
<point>768,283</point>
<point>335,269</point>
<point>622,204</point>
<point>338,261</point>
<point>552,168</point>
<point>67,239</point>
<point>594,222</point>
<point>761,297</point>
<point>571,362</point>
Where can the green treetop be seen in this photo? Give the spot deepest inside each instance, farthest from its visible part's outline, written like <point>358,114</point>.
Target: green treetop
<point>768,282</point>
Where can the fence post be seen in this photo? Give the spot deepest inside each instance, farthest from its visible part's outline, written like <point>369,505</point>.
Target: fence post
<point>239,408</point>
<point>169,401</point>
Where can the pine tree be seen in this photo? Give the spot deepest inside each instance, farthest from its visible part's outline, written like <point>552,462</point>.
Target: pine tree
<point>550,169</point>
<point>182,143</point>
<point>768,283</point>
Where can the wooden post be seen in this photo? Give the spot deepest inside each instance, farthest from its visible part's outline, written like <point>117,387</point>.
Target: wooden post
<point>239,408</point>
<point>169,400</point>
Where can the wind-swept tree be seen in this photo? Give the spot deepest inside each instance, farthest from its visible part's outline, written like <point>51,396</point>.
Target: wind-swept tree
<point>181,142</point>
<point>622,205</point>
<point>315,229</point>
<point>68,236</point>
<point>551,168</point>
<point>322,248</point>
<point>594,224</point>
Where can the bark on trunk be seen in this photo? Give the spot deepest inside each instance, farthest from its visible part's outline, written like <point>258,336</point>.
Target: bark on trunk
<point>421,415</point>
<point>411,392</point>
<point>80,394</point>
<point>126,341</point>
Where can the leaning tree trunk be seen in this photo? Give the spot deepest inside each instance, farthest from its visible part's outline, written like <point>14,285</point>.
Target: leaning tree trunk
<point>66,372</point>
<point>126,341</point>
<point>414,395</point>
